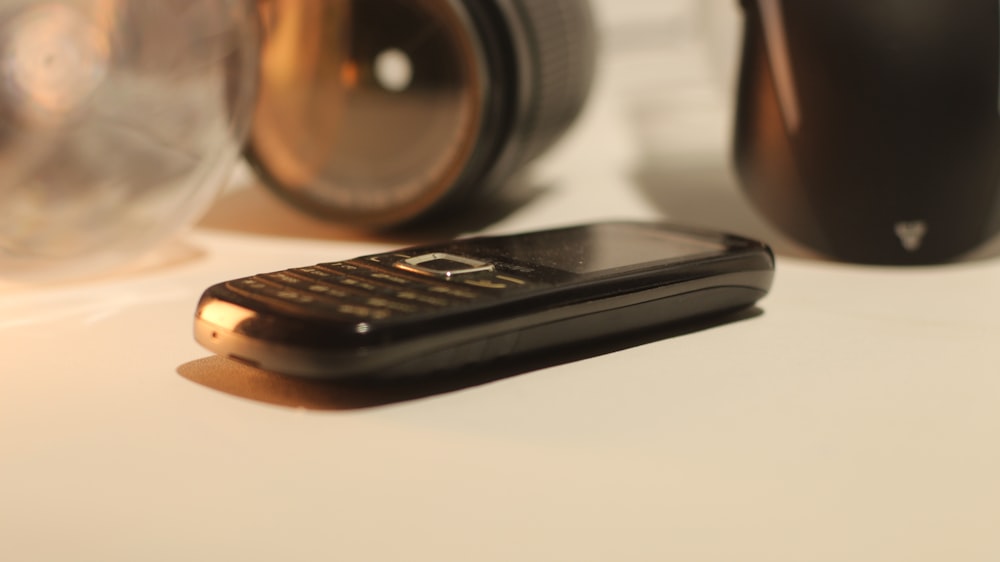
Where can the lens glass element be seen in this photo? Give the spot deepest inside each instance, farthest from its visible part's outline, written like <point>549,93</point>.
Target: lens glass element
<point>368,110</point>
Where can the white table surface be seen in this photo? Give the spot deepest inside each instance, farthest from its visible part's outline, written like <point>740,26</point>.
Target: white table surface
<point>856,418</point>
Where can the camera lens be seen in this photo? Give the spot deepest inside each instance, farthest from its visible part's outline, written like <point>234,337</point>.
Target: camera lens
<point>380,113</point>
<point>118,120</point>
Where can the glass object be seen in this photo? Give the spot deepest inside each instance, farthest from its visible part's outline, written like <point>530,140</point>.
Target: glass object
<point>119,121</point>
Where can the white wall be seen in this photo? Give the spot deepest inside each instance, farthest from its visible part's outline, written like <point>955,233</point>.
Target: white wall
<point>674,65</point>
<point>629,24</point>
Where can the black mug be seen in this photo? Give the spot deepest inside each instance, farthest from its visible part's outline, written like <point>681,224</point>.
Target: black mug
<point>869,130</point>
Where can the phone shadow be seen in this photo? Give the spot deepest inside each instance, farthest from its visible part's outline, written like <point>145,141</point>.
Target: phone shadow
<point>243,381</point>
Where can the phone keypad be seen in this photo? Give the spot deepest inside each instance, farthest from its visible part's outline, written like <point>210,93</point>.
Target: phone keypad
<point>364,290</point>
<point>257,286</point>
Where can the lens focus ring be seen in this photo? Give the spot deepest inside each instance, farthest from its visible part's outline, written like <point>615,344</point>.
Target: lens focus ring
<point>560,35</point>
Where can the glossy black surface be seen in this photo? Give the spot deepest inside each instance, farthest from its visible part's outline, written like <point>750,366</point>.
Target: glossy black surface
<point>868,129</point>
<point>370,316</point>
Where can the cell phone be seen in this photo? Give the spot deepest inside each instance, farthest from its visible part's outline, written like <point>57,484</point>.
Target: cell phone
<point>434,308</point>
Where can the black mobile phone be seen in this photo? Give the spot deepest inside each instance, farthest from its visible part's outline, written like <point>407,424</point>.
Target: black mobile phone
<point>433,308</point>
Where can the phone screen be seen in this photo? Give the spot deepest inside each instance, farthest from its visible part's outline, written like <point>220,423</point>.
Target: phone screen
<point>596,248</point>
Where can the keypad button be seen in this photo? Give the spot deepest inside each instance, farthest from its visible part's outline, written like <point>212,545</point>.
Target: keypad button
<point>444,265</point>
<point>328,291</point>
<point>284,278</point>
<point>249,283</point>
<point>314,273</point>
<point>339,266</point>
<point>357,284</point>
<point>457,292</point>
<point>378,302</point>
<point>258,287</point>
<point>488,284</point>
<point>394,279</point>
<point>423,299</point>
<point>306,281</point>
<point>364,312</point>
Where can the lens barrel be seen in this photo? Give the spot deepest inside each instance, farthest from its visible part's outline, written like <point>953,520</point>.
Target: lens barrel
<point>379,114</point>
